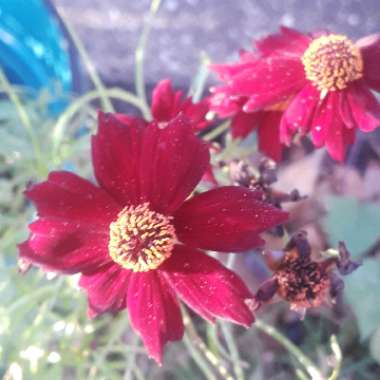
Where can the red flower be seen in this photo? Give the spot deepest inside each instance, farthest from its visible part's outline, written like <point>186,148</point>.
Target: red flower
<point>167,104</point>
<point>138,240</point>
<point>324,79</point>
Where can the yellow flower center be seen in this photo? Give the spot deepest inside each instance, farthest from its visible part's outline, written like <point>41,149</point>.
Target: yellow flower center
<point>141,239</point>
<point>332,62</point>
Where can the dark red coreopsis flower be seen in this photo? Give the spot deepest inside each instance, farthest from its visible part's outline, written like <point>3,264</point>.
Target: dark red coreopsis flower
<point>167,104</point>
<point>301,280</point>
<point>323,81</point>
<point>138,237</point>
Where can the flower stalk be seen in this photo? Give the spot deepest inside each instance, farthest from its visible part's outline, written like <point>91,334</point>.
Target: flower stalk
<point>140,55</point>
<point>91,69</point>
<point>25,121</point>
<point>309,366</point>
<point>194,339</point>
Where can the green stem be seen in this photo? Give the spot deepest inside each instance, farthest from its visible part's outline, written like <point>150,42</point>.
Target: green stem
<point>335,348</point>
<point>220,129</point>
<point>291,347</point>
<point>75,107</point>
<point>131,361</point>
<point>197,87</point>
<point>24,118</point>
<point>29,298</point>
<point>198,358</point>
<point>140,53</point>
<point>138,373</point>
<point>116,332</point>
<point>194,338</point>
<point>92,72</point>
<point>231,344</point>
<point>301,375</point>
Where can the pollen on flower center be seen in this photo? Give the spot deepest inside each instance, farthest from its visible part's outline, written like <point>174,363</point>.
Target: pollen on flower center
<point>331,62</point>
<point>141,239</point>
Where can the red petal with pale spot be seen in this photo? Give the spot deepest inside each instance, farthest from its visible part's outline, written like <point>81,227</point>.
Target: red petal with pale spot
<point>154,311</point>
<point>227,219</point>
<point>107,289</point>
<point>324,119</point>
<point>205,285</point>
<point>299,114</point>
<point>148,164</point>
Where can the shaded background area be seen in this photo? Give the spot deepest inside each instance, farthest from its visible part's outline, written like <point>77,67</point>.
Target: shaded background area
<point>110,29</point>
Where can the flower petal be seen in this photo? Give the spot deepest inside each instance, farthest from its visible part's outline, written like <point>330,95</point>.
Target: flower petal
<point>116,154</point>
<point>196,112</point>
<point>139,164</point>
<point>269,135</point>
<point>346,111</point>
<point>227,219</point>
<point>163,101</point>
<point>269,82</point>
<point>66,196</point>
<point>226,71</point>
<point>370,49</point>
<point>299,113</point>
<point>288,42</point>
<point>106,289</point>
<point>205,285</point>
<point>329,126</point>
<point>71,234</point>
<point>364,107</point>
<point>154,311</point>
<point>224,105</point>
<point>64,246</point>
<point>243,123</point>
<point>338,138</point>
<point>324,118</point>
<point>167,104</point>
<point>173,162</point>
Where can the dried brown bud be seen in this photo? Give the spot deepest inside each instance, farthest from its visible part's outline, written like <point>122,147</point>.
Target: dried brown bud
<point>300,280</point>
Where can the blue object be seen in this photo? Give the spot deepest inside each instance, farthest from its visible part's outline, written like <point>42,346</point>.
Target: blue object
<point>34,50</point>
